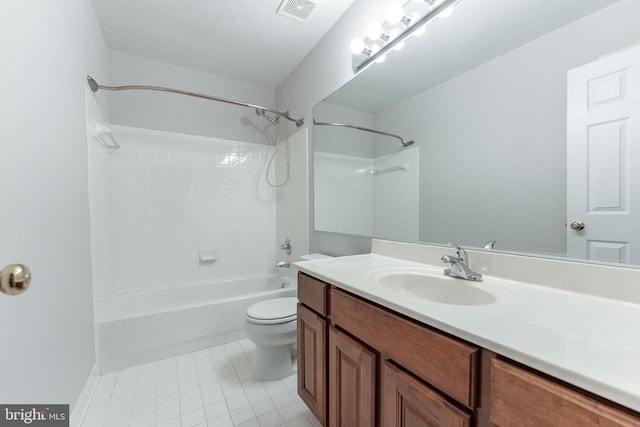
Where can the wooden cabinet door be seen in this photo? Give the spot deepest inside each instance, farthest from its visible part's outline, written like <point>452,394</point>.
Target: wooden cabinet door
<point>407,402</point>
<point>312,361</point>
<point>521,398</point>
<point>352,382</point>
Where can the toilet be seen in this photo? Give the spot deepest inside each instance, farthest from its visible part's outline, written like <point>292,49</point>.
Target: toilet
<point>271,326</point>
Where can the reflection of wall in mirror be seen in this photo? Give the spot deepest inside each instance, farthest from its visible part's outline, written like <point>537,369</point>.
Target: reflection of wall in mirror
<point>493,139</point>
<point>351,198</point>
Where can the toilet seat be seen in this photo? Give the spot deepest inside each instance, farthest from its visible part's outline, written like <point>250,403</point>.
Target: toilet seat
<point>273,311</point>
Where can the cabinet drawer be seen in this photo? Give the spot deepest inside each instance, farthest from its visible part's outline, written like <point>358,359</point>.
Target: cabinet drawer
<point>446,363</point>
<point>523,398</point>
<point>312,293</point>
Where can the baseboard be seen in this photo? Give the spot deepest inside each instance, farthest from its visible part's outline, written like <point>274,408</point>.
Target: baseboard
<point>82,404</point>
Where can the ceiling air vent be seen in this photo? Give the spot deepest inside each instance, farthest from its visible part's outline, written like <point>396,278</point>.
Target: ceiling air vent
<point>298,10</point>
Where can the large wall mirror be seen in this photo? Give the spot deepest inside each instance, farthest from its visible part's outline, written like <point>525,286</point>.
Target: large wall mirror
<point>526,121</point>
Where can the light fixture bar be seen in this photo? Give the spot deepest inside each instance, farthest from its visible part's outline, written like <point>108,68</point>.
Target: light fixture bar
<point>359,64</point>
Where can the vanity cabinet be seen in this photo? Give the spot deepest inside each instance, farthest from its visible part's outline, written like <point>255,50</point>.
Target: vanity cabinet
<point>363,365</point>
<point>378,365</point>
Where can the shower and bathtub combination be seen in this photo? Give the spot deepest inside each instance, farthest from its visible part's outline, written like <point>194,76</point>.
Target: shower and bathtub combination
<point>183,240</point>
<point>144,326</point>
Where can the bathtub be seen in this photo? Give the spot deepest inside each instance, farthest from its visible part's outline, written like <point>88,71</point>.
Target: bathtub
<point>140,327</point>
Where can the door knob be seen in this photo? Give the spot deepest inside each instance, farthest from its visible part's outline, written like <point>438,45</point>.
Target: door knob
<point>15,279</point>
<point>577,225</point>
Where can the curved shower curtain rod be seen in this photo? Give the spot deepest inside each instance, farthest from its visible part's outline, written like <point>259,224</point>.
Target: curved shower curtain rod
<point>260,111</point>
<point>379,132</point>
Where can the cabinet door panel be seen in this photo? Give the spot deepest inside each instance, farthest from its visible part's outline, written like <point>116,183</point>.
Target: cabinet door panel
<point>312,361</point>
<point>448,364</point>
<point>408,402</point>
<point>521,398</point>
<point>352,382</point>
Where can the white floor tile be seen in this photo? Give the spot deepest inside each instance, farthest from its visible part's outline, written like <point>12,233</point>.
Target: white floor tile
<point>270,419</point>
<point>187,406</point>
<point>213,397</point>
<point>211,387</point>
<point>237,402</point>
<point>263,406</point>
<point>221,421</point>
<point>242,415</point>
<point>215,410</point>
<point>193,418</point>
<point>168,412</point>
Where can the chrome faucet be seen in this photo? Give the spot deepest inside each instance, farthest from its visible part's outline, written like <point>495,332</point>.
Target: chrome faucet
<point>286,247</point>
<point>459,267</point>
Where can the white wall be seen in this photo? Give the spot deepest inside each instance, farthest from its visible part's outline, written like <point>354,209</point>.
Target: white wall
<point>183,114</point>
<point>47,349</point>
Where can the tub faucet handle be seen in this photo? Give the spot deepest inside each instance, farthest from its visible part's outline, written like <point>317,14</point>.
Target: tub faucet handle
<point>286,246</point>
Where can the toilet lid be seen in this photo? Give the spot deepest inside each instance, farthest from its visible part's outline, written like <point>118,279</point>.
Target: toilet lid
<point>279,309</point>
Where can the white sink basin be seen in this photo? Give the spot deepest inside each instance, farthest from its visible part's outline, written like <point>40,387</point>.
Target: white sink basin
<point>436,288</point>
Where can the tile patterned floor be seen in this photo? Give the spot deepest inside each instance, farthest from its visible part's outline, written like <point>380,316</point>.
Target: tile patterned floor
<point>211,387</point>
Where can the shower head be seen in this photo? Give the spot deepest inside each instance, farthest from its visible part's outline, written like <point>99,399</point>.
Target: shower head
<point>407,143</point>
<point>262,113</point>
<point>93,84</point>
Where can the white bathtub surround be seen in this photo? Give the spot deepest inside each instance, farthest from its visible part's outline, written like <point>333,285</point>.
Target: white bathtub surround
<point>292,199</point>
<point>368,194</point>
<point>144,326</point>
<point>575,321</point>
<point>171,212</point>
<point>175,195</point>
<point>208,387</point>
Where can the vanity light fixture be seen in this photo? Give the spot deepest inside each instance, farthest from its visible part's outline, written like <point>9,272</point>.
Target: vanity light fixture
<point>401,23</point>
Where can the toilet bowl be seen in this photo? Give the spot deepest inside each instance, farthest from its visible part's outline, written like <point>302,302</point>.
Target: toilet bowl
<point>271,326</point>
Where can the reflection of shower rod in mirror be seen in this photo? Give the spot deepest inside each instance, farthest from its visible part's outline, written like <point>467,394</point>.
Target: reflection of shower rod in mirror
<point>260,111</point>
<point>379,132</point>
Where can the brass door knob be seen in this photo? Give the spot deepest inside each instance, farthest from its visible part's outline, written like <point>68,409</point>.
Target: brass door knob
<point>15,279</point>
<point>577,225</point>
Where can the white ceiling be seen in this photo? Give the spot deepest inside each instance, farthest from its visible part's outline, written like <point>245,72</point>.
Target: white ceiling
<point>243,40</point>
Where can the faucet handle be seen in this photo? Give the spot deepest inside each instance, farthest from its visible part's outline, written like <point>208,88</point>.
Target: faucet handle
<point>490,244</point>
<point>462,254</point>
<point>448,259</point>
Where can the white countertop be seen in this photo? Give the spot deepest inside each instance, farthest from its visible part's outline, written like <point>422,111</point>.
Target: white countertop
<point>589,341</point>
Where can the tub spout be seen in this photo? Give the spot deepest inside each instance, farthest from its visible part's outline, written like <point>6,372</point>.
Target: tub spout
<point>282,264</point>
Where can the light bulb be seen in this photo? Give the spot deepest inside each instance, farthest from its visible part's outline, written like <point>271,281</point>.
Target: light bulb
<point>399,46</point>
<point>374,30</point>
<point>395,13</point>
<point>446,13</point>
<point>357,45</point>
<point>381,59</point>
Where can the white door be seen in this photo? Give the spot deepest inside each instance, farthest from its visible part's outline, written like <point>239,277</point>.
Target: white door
<point>603,159</point>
